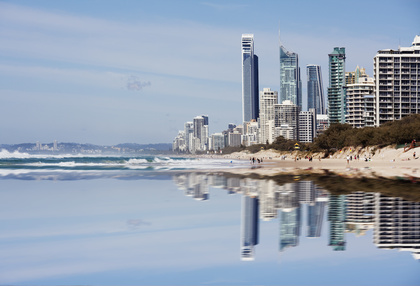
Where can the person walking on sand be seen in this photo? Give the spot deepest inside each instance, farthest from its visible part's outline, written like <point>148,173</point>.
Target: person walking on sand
<point>414,155</point>
<point>348,159</point>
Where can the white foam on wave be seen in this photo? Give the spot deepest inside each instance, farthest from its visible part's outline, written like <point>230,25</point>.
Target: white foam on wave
<point>4,154</point>
<point>136,161</point>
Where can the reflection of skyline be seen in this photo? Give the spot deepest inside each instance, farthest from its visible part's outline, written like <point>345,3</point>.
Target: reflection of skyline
<point>249,227</point>
<point>395,222</point>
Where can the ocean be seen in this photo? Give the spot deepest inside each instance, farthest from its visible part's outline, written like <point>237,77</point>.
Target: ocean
<point>142,220</point>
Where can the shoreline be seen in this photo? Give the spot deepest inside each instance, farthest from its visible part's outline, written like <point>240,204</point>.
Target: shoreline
<point>387,163</point>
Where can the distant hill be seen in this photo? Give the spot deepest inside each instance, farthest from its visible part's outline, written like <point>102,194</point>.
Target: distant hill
<point>70,148</point>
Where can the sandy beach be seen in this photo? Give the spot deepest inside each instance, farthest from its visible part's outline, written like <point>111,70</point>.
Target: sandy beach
<point>387,162</point>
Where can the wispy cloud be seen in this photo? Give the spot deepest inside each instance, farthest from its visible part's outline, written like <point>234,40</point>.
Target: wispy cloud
<point>135,84</point>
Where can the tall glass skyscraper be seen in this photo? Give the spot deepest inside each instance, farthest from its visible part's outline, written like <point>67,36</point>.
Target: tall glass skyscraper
<point>315,89</point>
<point>250,101</point>
<point>336,91</point>
<point>290,83</point>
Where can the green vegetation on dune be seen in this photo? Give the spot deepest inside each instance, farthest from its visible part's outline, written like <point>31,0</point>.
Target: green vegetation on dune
<point>339,136</point>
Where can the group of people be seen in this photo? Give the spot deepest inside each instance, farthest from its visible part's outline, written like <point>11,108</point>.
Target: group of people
<point>253,160</point>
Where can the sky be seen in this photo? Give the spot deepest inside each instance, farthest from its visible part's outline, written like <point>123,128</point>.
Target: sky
<point>109,72</point>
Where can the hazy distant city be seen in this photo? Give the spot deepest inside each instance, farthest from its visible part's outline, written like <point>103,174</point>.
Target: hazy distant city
<point>352,97</point>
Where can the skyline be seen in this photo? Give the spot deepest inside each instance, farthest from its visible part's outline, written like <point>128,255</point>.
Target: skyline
<point>106,73</point>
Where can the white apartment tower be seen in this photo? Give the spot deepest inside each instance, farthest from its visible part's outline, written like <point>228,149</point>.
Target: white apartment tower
<point>360,110</point>
<point>397,82</point>
<point>307,125</point>
<point>268,98</point>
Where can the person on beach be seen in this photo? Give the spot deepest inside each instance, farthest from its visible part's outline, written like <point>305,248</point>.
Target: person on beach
<point>348,159</point>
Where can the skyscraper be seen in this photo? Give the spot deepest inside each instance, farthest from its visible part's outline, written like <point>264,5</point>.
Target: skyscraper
<point>250,101</point>
<point>290,83</point>
<point>315,89</point>
<point>336,91</point>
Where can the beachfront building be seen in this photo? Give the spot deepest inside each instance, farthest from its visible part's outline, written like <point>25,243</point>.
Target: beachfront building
<point>189,134</point>
<point>286,114</point>
<point>250,104</point>
<point>307,125</point>
<point>359,97</point>
<point>178,145</point>
<point>290,82</point>
<point>336,91</point>
<point>251,134</point>
<point>268,98</point>
<point>201,132</point>
<point>315,89</point>
<point>397,82</point>
<point>217,141</point>
<point>321,123</point>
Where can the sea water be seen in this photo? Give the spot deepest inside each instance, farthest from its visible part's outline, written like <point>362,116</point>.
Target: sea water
<point>108,220</point>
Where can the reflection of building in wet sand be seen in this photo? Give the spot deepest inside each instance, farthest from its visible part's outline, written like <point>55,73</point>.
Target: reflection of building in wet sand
<point>337,217</point>
<point>249,227</point>
<point>267,191</point>
<point>397,224</point>
<point>288,199</point>
<point>359,212</point>
<point>193,185</point>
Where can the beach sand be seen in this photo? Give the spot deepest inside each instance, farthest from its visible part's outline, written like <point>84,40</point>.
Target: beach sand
<point>386,162</point>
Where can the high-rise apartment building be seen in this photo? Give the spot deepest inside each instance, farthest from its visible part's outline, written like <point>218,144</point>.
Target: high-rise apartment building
<point>250,104</point>
<point>268,98</point>
<point>286,115</point>
<point>397,82</point>
<point>189,134</point>
<point>290,82</point>
<point>359,99</point>
<point>315,89</point>
<point>307,125</point>
<point>336,91</point>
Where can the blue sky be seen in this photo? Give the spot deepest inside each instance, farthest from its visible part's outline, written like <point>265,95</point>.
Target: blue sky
<point>108,72</point>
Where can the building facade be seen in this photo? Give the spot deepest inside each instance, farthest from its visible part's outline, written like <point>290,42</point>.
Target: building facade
<point>286,114</point>
<point>336,91</point>
<point>307,125</point>
<point>250,104</point>
<point>315,89</point>
<point>397,82</point>
<point>268,98</point>
<point>290,82</point>
<point>359,99</point>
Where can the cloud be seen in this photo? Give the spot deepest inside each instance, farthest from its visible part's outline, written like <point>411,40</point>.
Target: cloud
<point>135,84</point>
